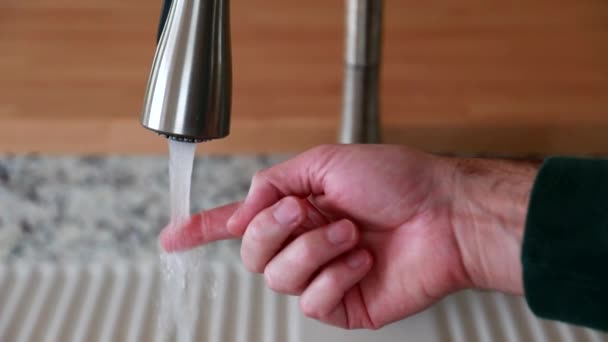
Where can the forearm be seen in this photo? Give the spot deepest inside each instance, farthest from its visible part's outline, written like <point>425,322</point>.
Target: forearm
<point>488,217</point>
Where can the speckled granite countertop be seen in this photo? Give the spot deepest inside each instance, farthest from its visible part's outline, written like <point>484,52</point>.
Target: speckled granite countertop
<point>102,208</point>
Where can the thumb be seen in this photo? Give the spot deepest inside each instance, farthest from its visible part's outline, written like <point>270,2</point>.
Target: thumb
<point>202,228</point>
<point>301,176</point>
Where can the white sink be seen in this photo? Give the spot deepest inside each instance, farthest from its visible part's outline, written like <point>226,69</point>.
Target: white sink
<point>118,303</point>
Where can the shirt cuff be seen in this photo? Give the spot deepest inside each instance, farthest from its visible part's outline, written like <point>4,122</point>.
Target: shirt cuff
<point>565,247</point>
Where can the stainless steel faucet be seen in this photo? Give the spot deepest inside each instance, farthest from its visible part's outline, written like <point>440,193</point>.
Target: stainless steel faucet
<point>360,107</point>
<point>189,91</point>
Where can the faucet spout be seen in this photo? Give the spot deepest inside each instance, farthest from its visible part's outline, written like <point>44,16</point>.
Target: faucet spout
<point>189,91</point>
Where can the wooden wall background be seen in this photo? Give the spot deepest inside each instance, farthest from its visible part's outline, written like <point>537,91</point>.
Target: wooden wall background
<point>511,77</point>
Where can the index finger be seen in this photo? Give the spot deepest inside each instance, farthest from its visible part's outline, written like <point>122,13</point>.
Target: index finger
<point>201,228</point>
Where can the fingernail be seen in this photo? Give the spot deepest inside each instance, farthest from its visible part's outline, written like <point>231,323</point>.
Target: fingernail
<point>340,233</point>
<point>286,212</point>
<point>357,259</point>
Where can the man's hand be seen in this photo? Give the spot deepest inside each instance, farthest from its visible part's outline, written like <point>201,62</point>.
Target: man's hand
<point>365,235</point>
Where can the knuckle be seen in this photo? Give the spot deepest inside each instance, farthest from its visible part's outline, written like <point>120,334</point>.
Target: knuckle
<point>279,283</point>
<point>331,280</point>
<point>307,252</point>
<point>261,230</point>
<point>206,223</point>
<point>324,148</point>
<point>255,233</point>
<point>270,280</point>
<point>308,309</point>
<point>250,263</point>
<point>326,152</point>
<point>273,282</point>
<point>247,266</point>
<point>260,177</point>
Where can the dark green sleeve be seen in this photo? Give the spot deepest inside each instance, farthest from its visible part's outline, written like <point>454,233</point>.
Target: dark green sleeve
<point>565,248</point>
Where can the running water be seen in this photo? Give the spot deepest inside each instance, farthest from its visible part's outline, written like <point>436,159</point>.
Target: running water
<point>179,307</point>
<point>181,163</point>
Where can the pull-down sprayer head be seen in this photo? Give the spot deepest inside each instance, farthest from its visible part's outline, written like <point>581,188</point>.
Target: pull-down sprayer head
<point>189,90</point>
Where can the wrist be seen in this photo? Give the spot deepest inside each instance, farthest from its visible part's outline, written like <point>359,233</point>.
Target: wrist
<point>488,213</point>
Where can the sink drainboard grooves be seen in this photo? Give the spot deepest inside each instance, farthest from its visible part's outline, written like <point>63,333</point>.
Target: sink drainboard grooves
<point>118,302</point>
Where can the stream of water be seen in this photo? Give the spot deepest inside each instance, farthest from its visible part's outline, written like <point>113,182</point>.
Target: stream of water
<point>179,308</point>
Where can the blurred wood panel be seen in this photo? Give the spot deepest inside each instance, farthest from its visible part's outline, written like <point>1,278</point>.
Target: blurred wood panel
<point>469,76</point>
